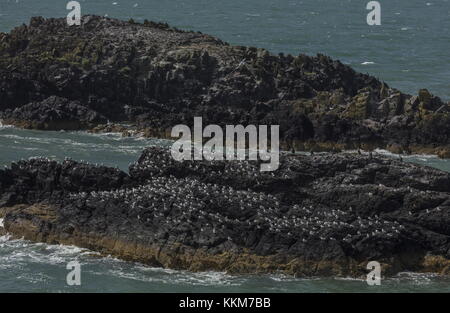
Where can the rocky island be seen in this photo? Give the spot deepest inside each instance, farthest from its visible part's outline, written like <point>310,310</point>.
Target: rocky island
<point>326,215</point>
<point>152,76</point>
<point>319,214</point>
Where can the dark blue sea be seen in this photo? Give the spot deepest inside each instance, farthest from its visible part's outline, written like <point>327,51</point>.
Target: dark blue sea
<point>409,51</point>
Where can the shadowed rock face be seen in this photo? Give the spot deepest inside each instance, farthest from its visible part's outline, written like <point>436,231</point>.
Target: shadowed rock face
<point>156,77</point>
<point>316,215</point>
<point>54,113</point>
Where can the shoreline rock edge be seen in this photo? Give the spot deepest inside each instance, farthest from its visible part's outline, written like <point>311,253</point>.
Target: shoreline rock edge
<point>317,216</point>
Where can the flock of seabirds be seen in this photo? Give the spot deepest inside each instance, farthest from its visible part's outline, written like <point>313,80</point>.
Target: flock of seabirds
<point>193,194</point>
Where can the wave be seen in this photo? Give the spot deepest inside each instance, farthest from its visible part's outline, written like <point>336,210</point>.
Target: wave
<point>142,273</point>
<point>5,126</point>
<point>21,258</point>
<point>391,154</point>
<point>14,252</point>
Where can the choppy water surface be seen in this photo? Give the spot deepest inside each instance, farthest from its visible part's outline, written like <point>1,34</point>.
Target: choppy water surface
<point>36,267</point>
<point>409,51</point>
<point>107,149</point>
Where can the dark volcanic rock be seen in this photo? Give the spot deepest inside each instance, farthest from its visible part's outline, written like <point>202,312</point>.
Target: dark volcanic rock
<point>54,113</point>
<point>316,215</point>
<point>36,180</point>
<point>156,77</point>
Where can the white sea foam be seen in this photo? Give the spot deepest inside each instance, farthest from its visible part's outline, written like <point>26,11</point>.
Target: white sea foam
<point>5,126</point>
<point>415,278</point>
<point>349,279</point>
<point>282,278</point>
<point>5,238</point>
<point>34,278</point>
<point>21,256</point>
<point>143,273</point>
<point>17,251</point>
<point>423,156</point>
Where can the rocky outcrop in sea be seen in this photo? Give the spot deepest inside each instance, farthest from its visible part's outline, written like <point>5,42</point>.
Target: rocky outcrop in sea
<point>317,215</point>
<point>153,76</point>
<point>326,215</point>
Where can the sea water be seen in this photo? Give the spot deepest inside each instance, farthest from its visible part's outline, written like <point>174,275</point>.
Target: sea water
<point>38,267</point>
<point>409,51</point>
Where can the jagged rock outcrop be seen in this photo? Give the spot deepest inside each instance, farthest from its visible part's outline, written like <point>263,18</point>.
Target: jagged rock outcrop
<point>53,113</point>
<point>316,215</point>
<point>155,77</point>
<point>38,179</point>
